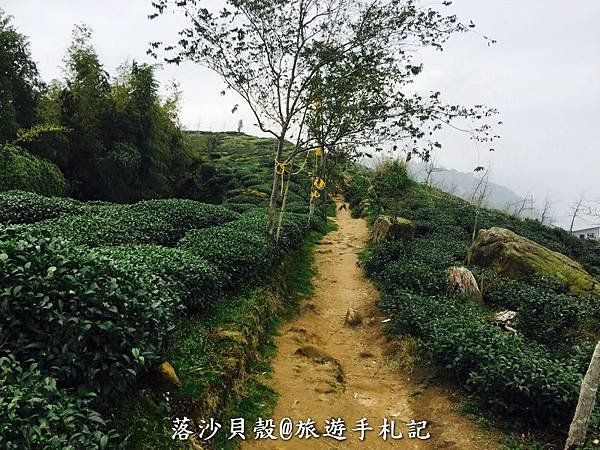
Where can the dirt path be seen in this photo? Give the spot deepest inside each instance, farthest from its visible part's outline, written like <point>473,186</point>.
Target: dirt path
<point>326,368</point>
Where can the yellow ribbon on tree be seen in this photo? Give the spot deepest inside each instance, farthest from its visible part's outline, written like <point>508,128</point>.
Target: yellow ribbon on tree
<point>318,151</point>
<point>319,184</point>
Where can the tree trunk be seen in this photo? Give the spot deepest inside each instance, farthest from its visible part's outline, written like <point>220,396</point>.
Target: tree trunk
<point>585,405</point>
<point>273,200</point>
<point>285,193</point>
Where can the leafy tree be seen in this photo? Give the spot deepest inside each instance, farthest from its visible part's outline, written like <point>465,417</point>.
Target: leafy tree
<point>273,53</point>
<point>19,81</point>
<point>85,110</point>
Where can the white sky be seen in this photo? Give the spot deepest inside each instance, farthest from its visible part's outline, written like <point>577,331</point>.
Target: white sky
<point>543,75</point>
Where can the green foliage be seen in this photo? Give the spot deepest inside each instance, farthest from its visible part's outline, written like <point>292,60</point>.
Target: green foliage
<point>184,215</point>
<point>36,413</point>
<point>197,281</point>
<point>294,227</point>
<point>47,141</point>
<point>547,314</point>
<point>26,207</point>
<point>528,377</point>
<point>19,81</point>
<point>118,226</point>
<point>21,170</point>
<point>242,256</point>
<point>87,323</point>
<point>508,374</point>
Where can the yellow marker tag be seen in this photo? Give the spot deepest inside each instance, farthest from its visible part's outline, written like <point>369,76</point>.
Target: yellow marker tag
<point>319,184</point>
<point>318,151</point>
<point>314,194</point>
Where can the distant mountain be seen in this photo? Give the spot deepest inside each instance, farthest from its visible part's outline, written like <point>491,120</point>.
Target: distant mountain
<point>463,184</point>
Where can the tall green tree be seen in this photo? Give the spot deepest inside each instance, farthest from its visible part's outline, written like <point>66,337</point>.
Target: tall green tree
<point>86,111</point>
<point>19,81</point>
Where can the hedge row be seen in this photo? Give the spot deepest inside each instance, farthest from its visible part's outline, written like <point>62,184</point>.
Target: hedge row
<point>508,374</point>
<point>80,329</point>
<point>98,224</point>
<point>18,207</point>
<point>184,215</point>
<point>198,283</point>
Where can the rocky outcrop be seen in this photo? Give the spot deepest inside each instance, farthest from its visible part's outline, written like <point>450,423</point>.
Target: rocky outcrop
<point>386,227</point>
<point>512,255</point>
<point>463,284</point>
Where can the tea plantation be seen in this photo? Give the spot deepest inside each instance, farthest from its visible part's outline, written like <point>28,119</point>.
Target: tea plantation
<point>529,378</point>
<point>91,293</point>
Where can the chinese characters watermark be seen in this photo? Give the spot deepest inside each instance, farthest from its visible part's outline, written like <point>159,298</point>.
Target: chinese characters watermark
<point>334,428</point>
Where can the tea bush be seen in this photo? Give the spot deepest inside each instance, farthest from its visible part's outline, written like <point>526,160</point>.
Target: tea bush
<point>532,376</point>
<point>27,207</point>
<point>89,324</point>
<point>546,313</point>
<point>118,226</point>
<point>240,207</point>
<point>508,374</point>
<point>184,215</point>
<point>242,256</point>
<point>199,283</point>
<point>246,199</point>
<point>293,230</point>
<point>36,413</point>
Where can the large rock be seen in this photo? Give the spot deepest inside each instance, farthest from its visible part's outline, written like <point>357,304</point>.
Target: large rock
<point>463,283</point>
<point>387,227</point>
<point>512,255</point>
<point>167,375</point>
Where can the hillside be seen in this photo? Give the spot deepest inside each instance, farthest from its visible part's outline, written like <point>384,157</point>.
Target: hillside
<point>528,378</point>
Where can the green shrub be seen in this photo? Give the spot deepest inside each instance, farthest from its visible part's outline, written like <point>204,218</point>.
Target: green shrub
<point>294,227</point>
<point>185,215</point>
<point>89,324</point>
<point>27,207</point>
<point>36,413</point>
<point>198,281</point>
<point>546,313</point>
<point>117,226</point>
<point>416,277</point>
<point>297,207</point>
<point>19,169</point>
<point>246,199</point>
<point>240,207</point>
<point>241,256</point>
<point>508,375</point>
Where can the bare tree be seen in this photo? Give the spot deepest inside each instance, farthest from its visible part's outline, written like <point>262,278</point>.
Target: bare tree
<point>431,167</point>
<point>577,209</point>
<point>546,214</point>
<point>479,196</point>
<point>585,405</point>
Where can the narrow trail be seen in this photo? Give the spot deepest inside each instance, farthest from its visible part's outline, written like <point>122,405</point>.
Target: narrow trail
<point>326,368</point>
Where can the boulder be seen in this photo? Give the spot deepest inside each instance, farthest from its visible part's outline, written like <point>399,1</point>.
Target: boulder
<point>167,375</point>
<point>386,227</point>
<point>463,283</point>
<point>514,256</point>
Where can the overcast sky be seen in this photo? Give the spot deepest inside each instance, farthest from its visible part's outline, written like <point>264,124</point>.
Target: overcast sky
<point>543,75</point>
